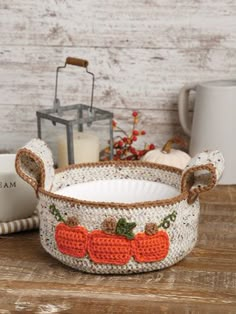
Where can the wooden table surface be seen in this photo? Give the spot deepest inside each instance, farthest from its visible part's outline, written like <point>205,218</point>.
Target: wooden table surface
<point>31,281</point>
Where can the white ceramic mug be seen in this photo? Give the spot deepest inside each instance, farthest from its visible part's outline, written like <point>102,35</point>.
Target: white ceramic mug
<point>214,121</point>
<point>17,198</point>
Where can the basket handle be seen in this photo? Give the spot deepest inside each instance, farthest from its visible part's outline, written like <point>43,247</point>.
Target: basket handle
<point>202,173</point>
<point>34,164</point>
<point>76,61</point>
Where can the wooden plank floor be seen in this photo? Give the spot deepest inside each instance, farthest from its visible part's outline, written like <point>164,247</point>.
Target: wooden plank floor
<point>204,282</point>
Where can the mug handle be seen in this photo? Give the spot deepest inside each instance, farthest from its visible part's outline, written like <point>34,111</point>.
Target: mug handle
<point>183,104</point>
<point>202,173</point>
<point>34,164</point>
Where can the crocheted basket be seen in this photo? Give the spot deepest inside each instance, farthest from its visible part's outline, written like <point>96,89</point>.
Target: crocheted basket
<point>117,217</point>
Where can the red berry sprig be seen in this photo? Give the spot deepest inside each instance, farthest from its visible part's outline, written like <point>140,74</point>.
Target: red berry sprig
<point>123,148</point>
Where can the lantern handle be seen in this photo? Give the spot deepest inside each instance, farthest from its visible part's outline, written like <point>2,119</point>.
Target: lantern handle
<point>34,164</point>
<point>77,62</point>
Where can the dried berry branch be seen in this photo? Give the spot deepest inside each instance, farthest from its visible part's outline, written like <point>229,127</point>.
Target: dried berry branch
<point>123,146</point>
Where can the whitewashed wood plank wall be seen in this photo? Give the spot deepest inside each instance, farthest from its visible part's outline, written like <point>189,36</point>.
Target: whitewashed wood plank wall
<point>141,51</point>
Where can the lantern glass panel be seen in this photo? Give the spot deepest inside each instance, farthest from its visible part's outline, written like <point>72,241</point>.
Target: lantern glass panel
<point>75,134</point>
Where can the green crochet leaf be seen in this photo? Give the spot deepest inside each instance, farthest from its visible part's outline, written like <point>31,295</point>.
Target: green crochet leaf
<point>125,228</point>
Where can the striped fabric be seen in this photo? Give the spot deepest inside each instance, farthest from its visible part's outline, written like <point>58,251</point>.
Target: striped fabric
<point>20,225</point>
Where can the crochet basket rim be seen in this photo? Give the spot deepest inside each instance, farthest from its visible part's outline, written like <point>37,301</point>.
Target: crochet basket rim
<point>42,180</point>
<point>146,204</point>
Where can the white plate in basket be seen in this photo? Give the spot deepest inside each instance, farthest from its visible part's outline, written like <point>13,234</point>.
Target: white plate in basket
<point>119,191</point>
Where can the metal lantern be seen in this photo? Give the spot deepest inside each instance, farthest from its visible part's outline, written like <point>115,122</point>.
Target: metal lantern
<point>74,116</point>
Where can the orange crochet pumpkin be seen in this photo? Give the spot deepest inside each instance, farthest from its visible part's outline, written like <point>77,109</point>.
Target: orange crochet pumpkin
<point>71,240</point>
<point>109,249</point>
<point>150,248</point>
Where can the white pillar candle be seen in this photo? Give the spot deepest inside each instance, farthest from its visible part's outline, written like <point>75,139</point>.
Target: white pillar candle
<point>86,148</point>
